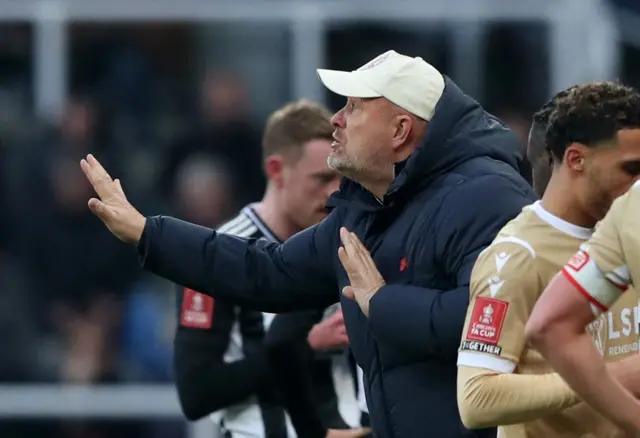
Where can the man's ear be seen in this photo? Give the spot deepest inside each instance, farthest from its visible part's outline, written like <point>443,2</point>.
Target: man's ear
<point>574,157</point>
<point>273,167</point>
<point>403,127</point>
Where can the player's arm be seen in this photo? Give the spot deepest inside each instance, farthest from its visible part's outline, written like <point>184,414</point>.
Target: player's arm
<point>489,392</point>
<point>205,383</point>
<point>292,326</point>
<point>584,288</point>
<point>431,320</point>
<point>289,359</point>
<point>589,284</point>
<point>253,273</point>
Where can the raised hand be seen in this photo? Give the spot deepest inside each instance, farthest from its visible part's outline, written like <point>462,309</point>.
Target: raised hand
<point>112,207</point>
<point>364,278</point>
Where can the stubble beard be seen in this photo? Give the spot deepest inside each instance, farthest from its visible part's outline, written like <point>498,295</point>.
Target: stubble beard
<point>343,166</point>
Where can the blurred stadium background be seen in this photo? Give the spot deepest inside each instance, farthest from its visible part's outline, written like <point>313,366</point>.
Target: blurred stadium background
<point>172,95</point>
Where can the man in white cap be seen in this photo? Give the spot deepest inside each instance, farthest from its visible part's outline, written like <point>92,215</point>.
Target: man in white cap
<point>430,179</point>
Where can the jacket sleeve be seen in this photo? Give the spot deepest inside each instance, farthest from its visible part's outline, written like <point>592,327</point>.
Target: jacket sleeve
<point>430,321</point>
<point>252,273</point>
<point>205,383</point>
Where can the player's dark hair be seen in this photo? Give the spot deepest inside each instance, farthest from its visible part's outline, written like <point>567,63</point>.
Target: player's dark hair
<point>591,114</point>
<point>289,128</point>
<point>541,117</point>
<point>537,136</point>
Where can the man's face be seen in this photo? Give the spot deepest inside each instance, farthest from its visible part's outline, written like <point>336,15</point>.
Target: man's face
<point>307,184</point>
<point>363,133</point>
<point>610,171</point>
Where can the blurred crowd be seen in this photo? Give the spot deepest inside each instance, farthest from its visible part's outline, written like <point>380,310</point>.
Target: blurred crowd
<point>77,307</point>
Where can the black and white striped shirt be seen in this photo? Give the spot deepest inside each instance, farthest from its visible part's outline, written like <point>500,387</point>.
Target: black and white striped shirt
<point>258,416</point>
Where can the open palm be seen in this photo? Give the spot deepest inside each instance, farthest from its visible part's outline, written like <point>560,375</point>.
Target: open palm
<point>112,207</point>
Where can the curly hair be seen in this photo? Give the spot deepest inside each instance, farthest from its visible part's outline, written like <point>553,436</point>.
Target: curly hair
<point>591,114</point>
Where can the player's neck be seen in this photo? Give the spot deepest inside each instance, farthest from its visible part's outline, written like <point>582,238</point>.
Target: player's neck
<point>273,217</point>
<point>558,200</point>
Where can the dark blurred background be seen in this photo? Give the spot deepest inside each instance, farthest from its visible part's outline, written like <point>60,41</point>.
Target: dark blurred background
<point>172,97</point>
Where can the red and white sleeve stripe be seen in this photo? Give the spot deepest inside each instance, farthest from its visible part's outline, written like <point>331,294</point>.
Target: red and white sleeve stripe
<point>601,290</point>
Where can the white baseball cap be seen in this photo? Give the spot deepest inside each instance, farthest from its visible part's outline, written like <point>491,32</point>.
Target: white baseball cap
<point>411,83</point>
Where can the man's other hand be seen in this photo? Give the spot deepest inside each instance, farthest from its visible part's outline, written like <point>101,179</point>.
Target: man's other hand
<point>348,433</point>
<point>113,208</point>
<point>329,333</point>
<point>364,278</point>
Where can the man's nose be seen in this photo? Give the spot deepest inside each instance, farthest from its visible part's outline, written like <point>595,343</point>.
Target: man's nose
<point>338,119</point>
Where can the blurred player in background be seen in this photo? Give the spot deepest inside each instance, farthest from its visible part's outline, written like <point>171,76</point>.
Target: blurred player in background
<point>538,153</point>
<point>502,381</point>
<point>220,360</point>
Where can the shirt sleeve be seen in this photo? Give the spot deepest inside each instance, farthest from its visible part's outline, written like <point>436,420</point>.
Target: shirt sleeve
<point>205,382</point>
<point>486,399</point>
<point>504,288</point>
<point>598,270</point>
